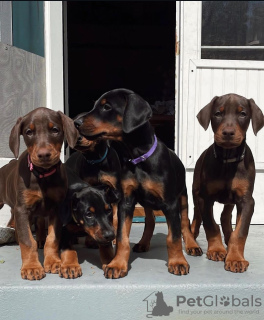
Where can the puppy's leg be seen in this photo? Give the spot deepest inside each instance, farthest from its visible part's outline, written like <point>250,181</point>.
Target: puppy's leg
<point>40,232</point>
<point>115,219</point>
<point>31,268</point>
<point>235,260</point>
<point>177,263</point>
<point>118,267</point>
<point>106,254</point>
<point>216,250</point>
<point>70,267</point>
<point>191,246</point>
<point>51,249</point>
<point>144,243</point>
<point>226,221</point>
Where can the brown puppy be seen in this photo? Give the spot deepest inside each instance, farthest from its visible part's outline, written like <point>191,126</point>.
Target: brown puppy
<point>36,183</point>
<point>225,173</point>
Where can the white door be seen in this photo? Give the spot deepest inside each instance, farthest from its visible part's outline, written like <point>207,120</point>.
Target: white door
<point>221,52</point>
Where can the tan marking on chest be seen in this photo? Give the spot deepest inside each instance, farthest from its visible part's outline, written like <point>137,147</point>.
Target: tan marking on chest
<point>240,186</point>
<point>215,186</point>
<point>154,187</point>
<point>128,186</point>
<point>31,197</point>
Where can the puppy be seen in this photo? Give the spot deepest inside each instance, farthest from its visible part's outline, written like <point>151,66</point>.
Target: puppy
<point>86,210</point>
<point>36,184</point>
<point>225,173</point>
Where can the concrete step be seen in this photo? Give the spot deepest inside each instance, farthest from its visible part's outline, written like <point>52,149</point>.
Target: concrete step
<point>207,292</point>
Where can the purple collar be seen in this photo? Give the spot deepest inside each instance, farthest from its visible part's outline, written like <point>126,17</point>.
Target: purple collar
<point>146,155</point>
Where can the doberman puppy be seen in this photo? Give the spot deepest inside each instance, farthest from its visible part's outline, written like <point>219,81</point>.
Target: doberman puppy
<point>86,210</point>
<point>152,175</point>
<point>36,184</point>
<point>97,163</point>
<point>225,173</point>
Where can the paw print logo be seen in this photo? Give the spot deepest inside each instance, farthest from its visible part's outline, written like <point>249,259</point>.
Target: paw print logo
<point>224,301</point>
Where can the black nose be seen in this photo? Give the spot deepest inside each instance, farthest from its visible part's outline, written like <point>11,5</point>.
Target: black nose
<point>228,132</point>
<point>109,235</point>
<point>78,123</point>
<point>44,154</point>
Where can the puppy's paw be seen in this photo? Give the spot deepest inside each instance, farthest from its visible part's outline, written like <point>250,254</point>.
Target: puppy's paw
<point>52,265</point>
<point>114,271</point>
<point>32,272</point>
<point>70,271</point>
<point>216,255</point>
<point>195,251</point>
<point>179,268</point>
<point>236,266</point>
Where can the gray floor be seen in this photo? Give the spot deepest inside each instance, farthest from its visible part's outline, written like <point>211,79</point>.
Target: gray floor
<point>207,292</point>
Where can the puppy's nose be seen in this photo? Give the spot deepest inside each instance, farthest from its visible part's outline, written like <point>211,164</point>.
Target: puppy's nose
<point>44,154</point>
<point>78,122</point>
<point>109,235</point>
<point>228,132</point>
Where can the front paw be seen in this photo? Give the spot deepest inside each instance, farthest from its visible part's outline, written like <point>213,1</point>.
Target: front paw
<point>216,255</point>
<point>179,267</point>
<point>70,271</point>
<point>33,272</point>
<point>52,265</point>
<point>114,270</point>
<point>236,265</point>
<point>194,251</point>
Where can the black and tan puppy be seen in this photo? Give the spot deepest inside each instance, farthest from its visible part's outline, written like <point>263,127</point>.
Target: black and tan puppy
<point>97,163</point>
<point>86,210</point>
<point>152,175</point>
<point>36,184</point>
<point>225,173</point>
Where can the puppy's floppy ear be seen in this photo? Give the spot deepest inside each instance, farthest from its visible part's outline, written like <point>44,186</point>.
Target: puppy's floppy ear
<point>71,133</point>
<point>204,116</point>
<point>137,113</point>
<point>14,138</point>
<point>257,117</point>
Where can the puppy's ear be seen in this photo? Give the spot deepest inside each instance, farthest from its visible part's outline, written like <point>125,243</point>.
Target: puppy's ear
<point>71,133</point>
<point>204,116</point>
<point>257,117</point>
<point>137,113</point>
<point>14,138</point>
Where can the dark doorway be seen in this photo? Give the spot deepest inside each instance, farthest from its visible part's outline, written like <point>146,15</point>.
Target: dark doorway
<point>123,44</point>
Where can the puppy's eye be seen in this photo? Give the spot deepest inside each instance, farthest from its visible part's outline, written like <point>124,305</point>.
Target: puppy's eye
<point>107,107</point>
<point>218,114</point>
<point>242,114</point>
<point>89,215</point>
<point>29,132</point>
<point>55,130</point>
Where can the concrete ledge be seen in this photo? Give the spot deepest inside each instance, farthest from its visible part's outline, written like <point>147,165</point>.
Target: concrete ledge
<point>208,292</point>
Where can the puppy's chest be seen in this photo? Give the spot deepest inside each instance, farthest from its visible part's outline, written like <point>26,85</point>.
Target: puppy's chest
<point>43,202</point>
<point>143,185</point>
<point>226,191</point>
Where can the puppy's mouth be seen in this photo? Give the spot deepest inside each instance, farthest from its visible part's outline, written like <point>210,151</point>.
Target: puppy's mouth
<point>45,164</point>
<point>228,143</point>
